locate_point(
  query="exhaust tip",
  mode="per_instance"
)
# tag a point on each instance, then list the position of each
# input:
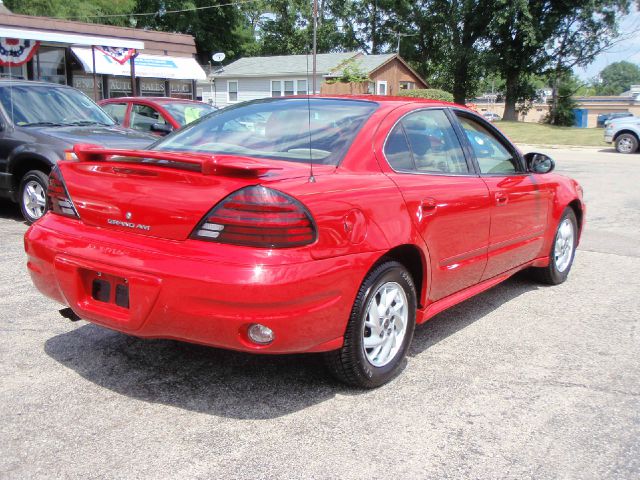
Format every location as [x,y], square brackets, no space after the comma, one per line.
[69,314]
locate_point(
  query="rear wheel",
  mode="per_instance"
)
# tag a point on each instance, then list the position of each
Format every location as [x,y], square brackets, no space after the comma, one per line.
[626,143]
[562,252]
[380,328]
[33,195]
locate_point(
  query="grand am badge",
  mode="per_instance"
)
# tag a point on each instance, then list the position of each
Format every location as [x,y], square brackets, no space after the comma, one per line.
[132,225]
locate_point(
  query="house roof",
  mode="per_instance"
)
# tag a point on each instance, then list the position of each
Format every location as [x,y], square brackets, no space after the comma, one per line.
[367,63]
[284,65]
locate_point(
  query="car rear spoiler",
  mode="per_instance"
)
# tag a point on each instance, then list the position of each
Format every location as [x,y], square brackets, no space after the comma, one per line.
[227,165]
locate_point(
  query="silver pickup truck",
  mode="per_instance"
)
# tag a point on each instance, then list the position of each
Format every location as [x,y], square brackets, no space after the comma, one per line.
[624,133]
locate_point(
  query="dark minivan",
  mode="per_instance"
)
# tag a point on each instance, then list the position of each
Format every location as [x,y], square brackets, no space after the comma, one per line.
[38,122]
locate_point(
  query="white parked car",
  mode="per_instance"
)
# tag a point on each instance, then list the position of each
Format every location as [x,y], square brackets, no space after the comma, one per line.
[624,134]
[492,117]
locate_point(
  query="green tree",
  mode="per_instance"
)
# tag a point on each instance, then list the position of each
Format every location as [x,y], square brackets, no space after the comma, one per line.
[214,29]
[452,43]
[584,33]
[519,32]
[617,78]
[561,112]
[93,11]
[287,28]
[527,36]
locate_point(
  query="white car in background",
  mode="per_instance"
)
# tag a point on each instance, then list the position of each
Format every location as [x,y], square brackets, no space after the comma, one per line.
[492,117]
[624,133]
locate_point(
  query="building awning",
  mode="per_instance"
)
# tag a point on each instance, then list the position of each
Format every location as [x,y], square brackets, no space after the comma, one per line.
[69,38]
[147,66]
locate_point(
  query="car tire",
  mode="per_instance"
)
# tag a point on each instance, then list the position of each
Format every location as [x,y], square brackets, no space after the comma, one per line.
[33,195]
[562,252]
[380,328]
[626,143]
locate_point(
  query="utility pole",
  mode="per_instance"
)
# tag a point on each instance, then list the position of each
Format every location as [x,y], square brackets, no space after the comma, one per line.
[399,36]
[315,28]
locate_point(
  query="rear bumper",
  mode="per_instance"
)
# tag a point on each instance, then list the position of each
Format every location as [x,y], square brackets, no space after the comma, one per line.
[172,295]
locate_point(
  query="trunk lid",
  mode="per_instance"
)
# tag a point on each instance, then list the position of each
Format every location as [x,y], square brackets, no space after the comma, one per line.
[160,194]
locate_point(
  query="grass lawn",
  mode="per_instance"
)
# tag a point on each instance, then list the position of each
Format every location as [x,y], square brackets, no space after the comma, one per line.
[539,134]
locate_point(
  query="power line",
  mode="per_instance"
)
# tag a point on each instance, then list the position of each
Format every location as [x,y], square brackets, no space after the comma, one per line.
[161,13]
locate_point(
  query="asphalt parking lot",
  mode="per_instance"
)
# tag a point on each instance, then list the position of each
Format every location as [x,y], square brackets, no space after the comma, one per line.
[523,381]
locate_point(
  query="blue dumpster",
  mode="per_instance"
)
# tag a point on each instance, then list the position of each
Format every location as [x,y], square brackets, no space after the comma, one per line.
[581,117]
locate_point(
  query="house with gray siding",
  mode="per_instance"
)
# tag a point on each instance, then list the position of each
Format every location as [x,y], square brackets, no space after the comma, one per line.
[252,78]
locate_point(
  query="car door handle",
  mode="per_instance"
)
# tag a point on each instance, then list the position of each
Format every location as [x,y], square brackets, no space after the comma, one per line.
[428,206]
[501,199]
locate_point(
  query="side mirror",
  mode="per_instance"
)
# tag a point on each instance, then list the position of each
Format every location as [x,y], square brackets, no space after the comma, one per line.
[163,128]
[539,162]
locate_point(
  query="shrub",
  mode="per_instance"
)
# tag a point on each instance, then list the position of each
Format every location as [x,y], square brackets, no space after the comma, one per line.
[352,72]
[431,93]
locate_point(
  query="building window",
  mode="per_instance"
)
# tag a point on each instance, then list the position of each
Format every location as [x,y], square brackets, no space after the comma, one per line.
[302,87]
[276,88]
[119,87]
[407,85]
[84,83]
[152,87]
[181,89]
[288,87]
[13,72]
[232,91]
[51,65]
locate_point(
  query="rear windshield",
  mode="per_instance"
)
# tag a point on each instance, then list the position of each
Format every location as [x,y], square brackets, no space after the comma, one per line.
[293,129]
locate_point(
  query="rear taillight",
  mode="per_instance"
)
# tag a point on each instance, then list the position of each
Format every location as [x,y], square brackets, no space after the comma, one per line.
[259,217]
[58,199]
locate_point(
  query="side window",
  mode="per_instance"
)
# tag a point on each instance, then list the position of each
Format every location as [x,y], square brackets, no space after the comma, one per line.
[493,157]
[397,150]
[143,116]
[433,143]
[117,111]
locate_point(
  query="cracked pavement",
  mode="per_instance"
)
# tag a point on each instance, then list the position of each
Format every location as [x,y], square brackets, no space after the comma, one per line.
[523,381]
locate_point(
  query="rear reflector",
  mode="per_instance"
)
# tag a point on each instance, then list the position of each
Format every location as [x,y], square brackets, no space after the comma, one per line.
[259,217]
[58,199]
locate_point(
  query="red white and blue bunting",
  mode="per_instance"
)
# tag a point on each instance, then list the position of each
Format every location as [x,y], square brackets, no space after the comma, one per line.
[119,54]
[17,51]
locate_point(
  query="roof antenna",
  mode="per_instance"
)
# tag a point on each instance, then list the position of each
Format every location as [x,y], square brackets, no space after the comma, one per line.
[312,179]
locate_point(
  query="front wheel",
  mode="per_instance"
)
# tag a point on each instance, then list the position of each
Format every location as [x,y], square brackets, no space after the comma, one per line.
[626,143]
[380,328]
[33,195]
[562,252]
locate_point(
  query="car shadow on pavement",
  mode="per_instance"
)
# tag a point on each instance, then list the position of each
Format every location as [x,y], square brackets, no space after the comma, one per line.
[464,314]
[10,210]
[234,384]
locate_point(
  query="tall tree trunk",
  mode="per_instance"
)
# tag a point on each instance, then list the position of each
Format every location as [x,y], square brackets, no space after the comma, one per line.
[511,97]
[555,86]
[460,82]
[374,28]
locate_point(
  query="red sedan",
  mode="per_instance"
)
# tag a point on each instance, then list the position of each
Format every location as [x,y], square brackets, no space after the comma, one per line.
[156,115]
[303,225]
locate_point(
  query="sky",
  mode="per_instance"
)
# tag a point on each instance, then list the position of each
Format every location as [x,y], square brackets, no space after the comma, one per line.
[627,49]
